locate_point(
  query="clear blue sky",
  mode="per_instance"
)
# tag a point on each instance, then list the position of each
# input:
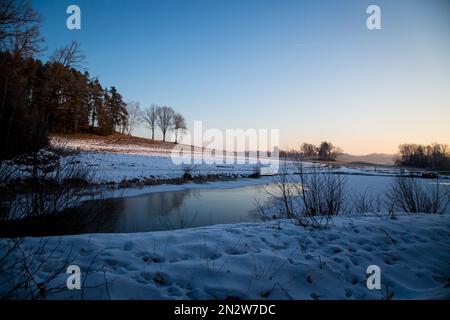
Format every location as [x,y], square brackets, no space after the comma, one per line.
[310,68]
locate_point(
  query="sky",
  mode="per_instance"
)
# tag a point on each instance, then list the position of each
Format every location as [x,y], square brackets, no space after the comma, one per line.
[311,69]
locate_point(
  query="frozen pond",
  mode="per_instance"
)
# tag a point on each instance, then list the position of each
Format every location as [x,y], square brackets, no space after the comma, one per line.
[193,207]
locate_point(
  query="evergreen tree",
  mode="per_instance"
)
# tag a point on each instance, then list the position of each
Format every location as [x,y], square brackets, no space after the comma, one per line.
[95,102]
[118,109]
[105,116]
[37,98]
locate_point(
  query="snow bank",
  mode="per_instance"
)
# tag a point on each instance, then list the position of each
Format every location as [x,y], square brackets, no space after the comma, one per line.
[272,260]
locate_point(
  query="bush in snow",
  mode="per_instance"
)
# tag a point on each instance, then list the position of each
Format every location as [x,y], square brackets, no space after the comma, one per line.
[322,193]
[366,202]
[188,171]
[411,194]
[312,200]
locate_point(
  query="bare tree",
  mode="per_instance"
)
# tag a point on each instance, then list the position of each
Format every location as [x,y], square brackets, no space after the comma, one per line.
[164,119]
[19,28]
[179,125]
[285,192]
[366,201]
[149,116]
[134,115]
[69,56]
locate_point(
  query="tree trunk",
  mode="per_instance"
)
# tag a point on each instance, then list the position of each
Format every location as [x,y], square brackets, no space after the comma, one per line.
[93,119]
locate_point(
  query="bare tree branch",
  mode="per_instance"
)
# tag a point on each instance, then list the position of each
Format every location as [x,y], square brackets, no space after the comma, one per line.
[70,56]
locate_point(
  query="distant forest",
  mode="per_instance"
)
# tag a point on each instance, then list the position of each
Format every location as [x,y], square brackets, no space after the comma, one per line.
[435,156]
[326,151]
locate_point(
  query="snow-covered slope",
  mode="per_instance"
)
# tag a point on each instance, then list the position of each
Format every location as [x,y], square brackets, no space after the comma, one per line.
[272,260]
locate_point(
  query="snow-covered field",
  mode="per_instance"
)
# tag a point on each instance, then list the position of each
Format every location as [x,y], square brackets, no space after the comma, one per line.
[271,260]
[115,162]
[115,167]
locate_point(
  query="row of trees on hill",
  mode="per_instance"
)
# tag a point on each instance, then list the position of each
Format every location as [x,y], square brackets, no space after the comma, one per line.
[163,117]
[325,152]
[435,156]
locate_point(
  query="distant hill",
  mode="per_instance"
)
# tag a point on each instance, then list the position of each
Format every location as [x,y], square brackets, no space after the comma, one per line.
[374,158]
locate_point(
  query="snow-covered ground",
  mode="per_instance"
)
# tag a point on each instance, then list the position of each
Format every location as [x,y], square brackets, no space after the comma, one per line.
[112,162]
[115,162]
[271,260]
[115,167]
[266,260]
